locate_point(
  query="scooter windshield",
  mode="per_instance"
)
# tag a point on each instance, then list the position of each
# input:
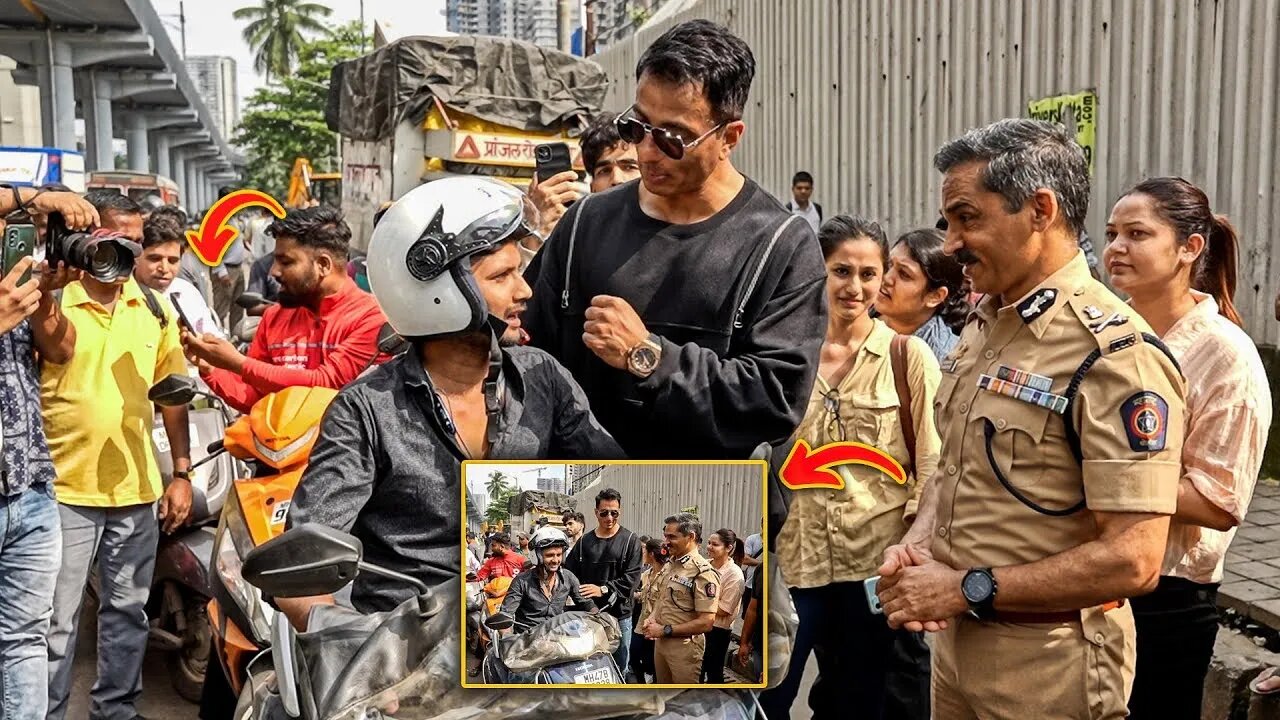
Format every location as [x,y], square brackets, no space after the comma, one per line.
[563,638]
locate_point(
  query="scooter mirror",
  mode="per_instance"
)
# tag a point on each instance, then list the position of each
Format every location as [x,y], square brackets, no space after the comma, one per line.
[499,621]
[173,391]
[310,559]
[250,300]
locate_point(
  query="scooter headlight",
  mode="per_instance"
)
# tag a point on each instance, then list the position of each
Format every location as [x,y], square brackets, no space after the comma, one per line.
[230,546]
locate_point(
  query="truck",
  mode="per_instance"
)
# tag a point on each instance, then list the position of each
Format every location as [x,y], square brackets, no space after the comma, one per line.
[532,508]
[421,108]
[37,166]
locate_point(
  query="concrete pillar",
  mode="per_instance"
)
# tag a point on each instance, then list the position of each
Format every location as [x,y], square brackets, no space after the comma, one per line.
[135,135]
[104,136]
[178,163]
[192,186]
[162,155]
[57,94]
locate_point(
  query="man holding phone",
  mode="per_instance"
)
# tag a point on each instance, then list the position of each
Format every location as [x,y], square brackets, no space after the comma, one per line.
[158,268]
[30,546]
[609,161]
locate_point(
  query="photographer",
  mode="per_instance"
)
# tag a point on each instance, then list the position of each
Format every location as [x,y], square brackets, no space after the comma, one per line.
[99,421]
[30,322]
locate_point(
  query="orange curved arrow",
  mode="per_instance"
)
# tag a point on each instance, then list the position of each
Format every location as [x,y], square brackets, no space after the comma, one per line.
[806,468]
[215,237]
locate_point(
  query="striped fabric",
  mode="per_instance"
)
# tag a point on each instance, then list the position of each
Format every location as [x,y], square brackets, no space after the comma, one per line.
[1228,416]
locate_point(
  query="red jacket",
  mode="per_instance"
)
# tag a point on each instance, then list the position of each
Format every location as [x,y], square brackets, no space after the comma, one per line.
[508,565]
[295,346]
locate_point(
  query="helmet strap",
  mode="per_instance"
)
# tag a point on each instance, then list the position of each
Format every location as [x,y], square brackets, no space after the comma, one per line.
[494,390]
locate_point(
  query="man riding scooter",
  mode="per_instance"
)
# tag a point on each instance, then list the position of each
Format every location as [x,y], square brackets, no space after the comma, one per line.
[444,267]
[545,590]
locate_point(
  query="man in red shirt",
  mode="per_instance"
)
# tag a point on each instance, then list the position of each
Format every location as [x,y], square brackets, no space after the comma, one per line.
[323,332]
[504,562]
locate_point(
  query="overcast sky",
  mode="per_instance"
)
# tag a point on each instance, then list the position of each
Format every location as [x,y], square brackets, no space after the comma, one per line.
[526,475]
[212,31]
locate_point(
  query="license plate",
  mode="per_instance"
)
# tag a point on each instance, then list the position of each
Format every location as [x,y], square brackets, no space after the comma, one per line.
[599,676]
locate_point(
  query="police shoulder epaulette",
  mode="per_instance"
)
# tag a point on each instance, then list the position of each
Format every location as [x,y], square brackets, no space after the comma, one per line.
[1109,326]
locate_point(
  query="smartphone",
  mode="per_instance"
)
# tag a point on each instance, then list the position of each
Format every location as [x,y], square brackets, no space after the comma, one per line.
[19,242]
[552,159]
[870,585]
[182,317]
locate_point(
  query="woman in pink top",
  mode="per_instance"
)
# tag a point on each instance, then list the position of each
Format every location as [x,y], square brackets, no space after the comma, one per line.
[720,551]
[1177,261]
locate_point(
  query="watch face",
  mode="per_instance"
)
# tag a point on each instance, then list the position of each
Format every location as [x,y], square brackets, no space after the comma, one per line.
[977,587]
[644,359]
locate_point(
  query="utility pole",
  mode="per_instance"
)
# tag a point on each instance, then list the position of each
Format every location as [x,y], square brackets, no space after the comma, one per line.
[182,24]
[361,27]
[589,29]
[563,35]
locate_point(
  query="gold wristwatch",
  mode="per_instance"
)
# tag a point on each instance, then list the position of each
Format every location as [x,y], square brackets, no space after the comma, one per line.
[643,359]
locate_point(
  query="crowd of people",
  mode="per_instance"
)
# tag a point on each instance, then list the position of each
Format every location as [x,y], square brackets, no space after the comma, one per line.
[675,595]
[1077,464]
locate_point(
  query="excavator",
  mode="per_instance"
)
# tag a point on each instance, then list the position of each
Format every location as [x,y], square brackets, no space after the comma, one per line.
[308,188]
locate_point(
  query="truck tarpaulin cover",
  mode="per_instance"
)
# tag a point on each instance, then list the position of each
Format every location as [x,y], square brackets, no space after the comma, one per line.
[501,80]
[543,500]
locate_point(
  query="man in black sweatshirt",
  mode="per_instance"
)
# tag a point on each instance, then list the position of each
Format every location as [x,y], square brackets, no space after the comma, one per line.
[608,562]
[689,305]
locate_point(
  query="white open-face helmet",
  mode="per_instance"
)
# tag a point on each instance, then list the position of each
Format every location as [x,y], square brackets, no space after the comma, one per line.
[548,537]
[419,259]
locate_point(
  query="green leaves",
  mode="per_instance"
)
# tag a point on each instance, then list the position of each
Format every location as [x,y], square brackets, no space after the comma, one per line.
[275,32]
[285,119]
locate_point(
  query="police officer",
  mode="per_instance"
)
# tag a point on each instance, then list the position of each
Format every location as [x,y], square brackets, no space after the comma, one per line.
[685,607]
[1061,418]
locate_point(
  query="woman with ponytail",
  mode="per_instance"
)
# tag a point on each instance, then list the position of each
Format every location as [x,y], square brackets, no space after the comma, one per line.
[1177,261]
[923,292]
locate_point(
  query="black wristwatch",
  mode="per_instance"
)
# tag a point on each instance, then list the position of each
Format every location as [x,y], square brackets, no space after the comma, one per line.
[666,631]
[979,587]
[182,474]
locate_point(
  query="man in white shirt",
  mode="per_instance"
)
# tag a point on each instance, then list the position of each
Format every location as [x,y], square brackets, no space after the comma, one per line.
[158,267]
[801,203]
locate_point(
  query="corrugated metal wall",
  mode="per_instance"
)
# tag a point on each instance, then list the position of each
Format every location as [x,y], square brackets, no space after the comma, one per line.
[862,92]
[728,495]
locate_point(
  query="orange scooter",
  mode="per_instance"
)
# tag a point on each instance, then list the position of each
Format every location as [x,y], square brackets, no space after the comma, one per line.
[275,441]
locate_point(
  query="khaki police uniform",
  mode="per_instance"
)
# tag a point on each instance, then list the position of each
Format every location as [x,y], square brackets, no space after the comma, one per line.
[1019,481]
[686,588]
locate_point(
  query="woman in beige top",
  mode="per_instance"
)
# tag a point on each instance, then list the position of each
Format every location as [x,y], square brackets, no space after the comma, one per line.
[1177,262]
[833,540]
[655,558]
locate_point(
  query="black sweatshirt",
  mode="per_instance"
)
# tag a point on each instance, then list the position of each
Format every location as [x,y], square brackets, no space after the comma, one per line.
[615,562]
[738,302]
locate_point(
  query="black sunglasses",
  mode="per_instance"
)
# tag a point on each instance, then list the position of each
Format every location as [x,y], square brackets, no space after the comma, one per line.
[608,513]
[671,144]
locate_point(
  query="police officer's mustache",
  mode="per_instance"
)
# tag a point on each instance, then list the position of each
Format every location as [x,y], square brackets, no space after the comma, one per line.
[965,257]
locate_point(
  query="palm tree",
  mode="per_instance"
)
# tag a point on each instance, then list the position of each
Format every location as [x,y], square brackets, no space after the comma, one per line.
[496,485]
[275,32]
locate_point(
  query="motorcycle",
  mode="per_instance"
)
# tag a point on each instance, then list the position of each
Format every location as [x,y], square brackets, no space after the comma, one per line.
[274,442]
[573,648]
[180,590]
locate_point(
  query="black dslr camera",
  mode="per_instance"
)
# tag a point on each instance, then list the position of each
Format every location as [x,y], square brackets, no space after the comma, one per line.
[105,256]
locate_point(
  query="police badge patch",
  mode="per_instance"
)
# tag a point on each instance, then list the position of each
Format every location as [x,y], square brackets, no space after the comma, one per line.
[711,590]
[1146,417]
[1037,305]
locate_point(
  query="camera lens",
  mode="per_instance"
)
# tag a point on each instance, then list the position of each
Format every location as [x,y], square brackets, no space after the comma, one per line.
[544,153]
[106,259]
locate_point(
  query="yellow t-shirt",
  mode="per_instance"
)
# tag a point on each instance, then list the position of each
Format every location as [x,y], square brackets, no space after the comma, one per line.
[96,412]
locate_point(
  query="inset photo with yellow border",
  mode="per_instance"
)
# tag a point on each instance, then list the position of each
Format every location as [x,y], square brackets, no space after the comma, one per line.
[614,574]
